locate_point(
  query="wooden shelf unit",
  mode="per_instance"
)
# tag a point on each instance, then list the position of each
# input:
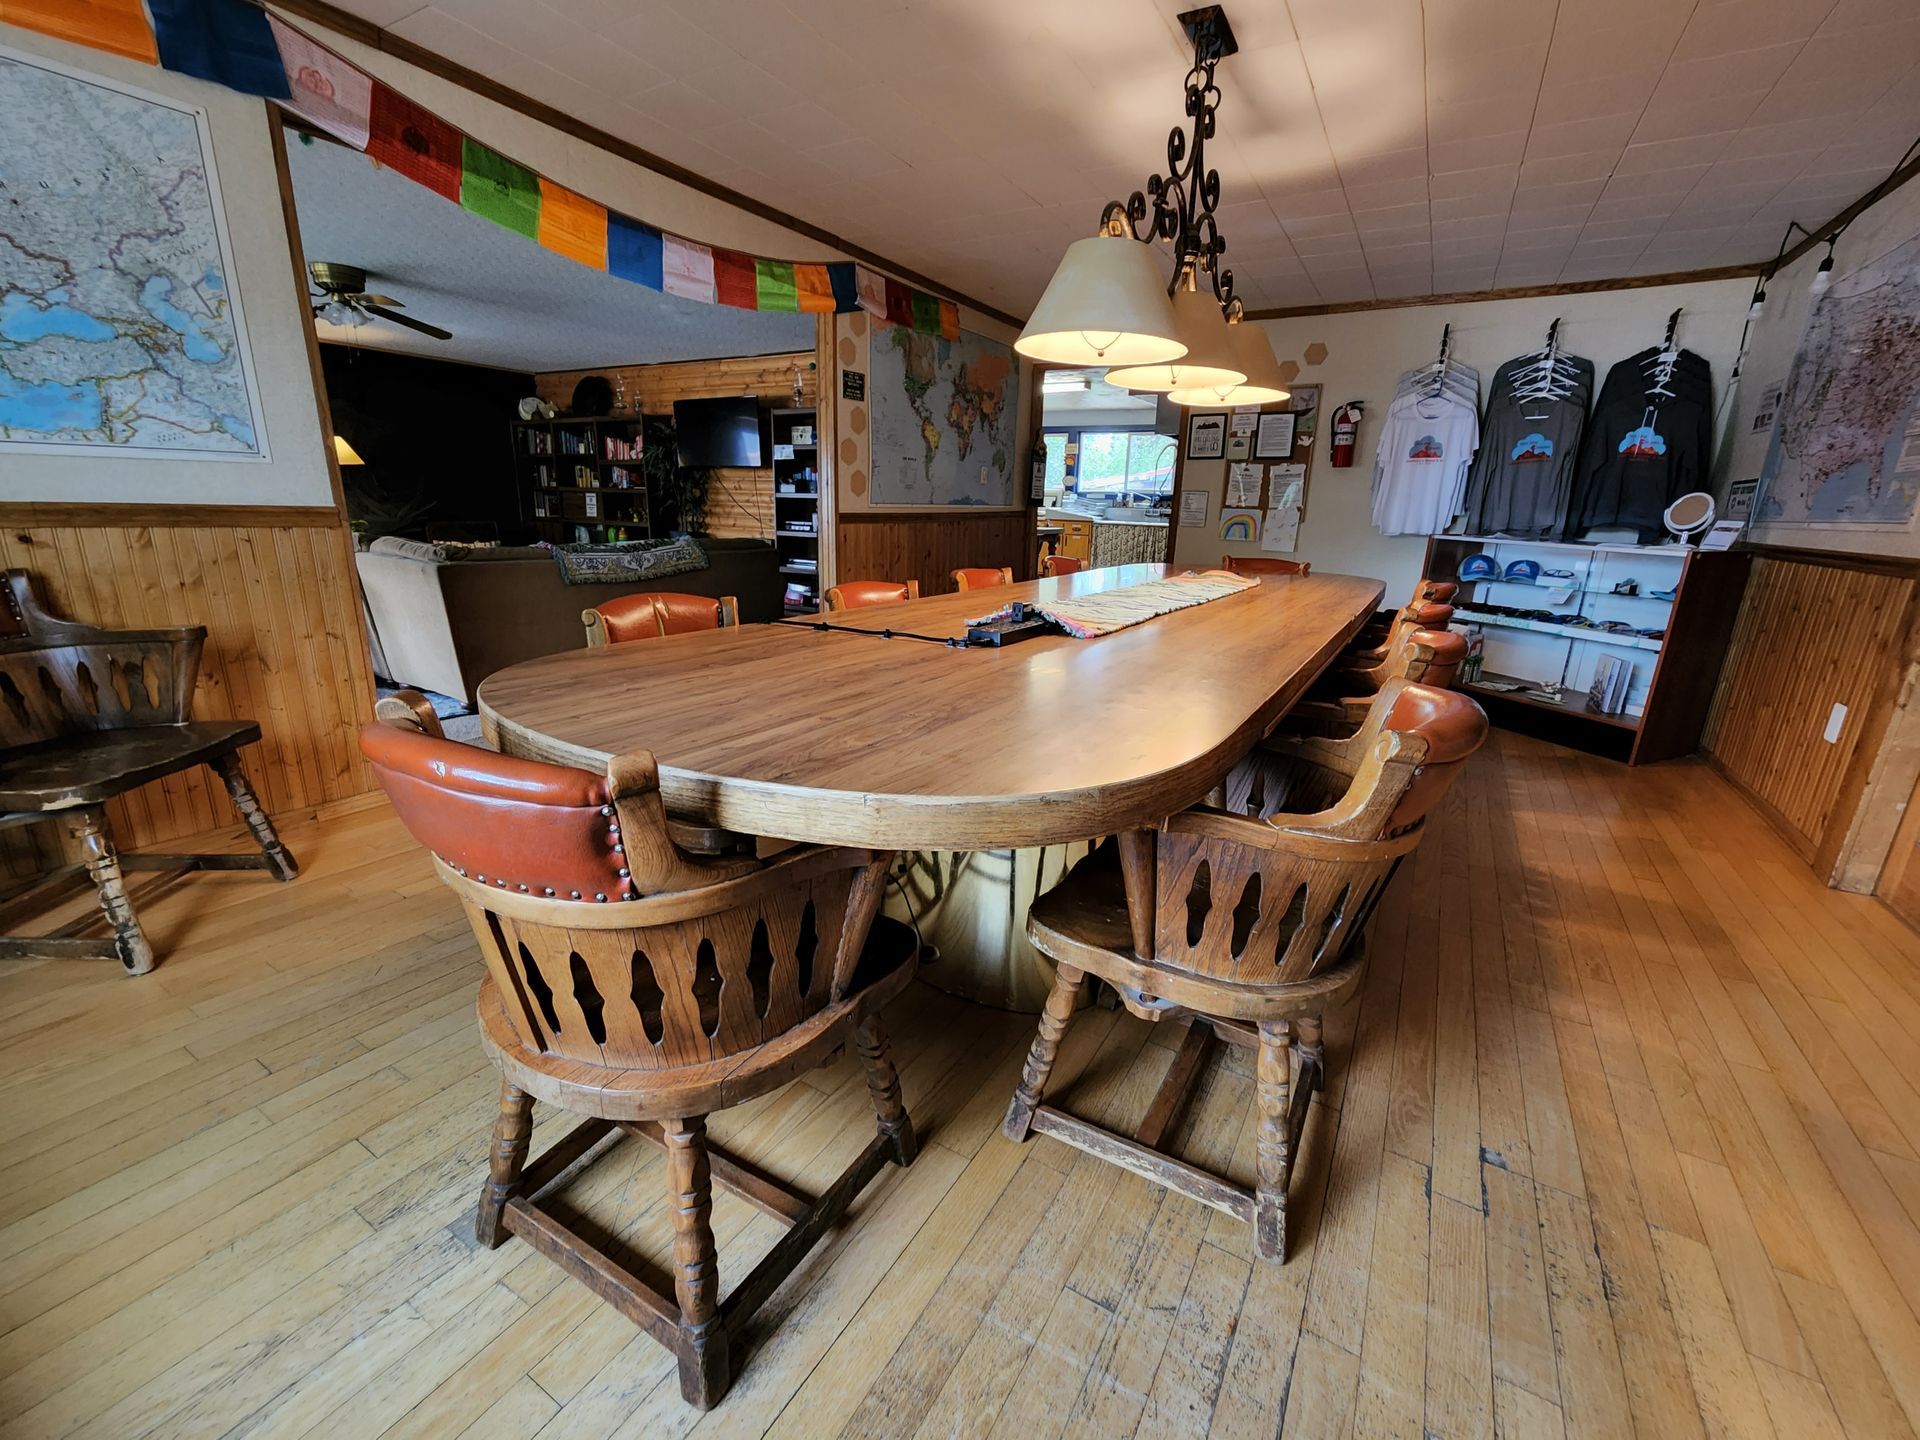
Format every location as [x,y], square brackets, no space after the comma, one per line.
[1675,674]
[581,478]
[796,505]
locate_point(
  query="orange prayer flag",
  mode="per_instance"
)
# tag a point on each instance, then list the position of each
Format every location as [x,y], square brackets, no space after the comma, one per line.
[572,225]
[813,287]
[120,27]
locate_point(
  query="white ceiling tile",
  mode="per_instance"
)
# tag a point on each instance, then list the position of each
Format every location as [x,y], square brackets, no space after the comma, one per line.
[1482,226]
[1567,169]
[1488,180]
[1735,72]
[1374,168]
[1574,136]
[1472,207]
[1680,116]
[1501,113]
[1823,100]
[1343,243]
[1446,156]
[1644,158]
[1868,59]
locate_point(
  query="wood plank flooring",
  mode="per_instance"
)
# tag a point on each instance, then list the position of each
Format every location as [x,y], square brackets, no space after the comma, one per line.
[1622,1138]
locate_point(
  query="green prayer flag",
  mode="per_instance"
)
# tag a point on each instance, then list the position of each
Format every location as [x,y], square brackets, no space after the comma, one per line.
[493,186]
[926,313]
[773,285]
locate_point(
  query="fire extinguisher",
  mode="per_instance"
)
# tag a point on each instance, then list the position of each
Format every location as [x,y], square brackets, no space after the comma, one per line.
[1346,427]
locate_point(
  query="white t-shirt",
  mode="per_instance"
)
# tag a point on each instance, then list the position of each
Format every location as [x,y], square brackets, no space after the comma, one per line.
[1420,467]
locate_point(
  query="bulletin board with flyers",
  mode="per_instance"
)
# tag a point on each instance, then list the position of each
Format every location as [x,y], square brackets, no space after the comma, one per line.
[1267,458]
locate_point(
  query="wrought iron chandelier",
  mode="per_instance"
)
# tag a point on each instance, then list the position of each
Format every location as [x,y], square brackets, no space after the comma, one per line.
[1100,308]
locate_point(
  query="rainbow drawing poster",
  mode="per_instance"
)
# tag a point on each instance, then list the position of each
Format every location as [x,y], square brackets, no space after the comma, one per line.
[1243,525]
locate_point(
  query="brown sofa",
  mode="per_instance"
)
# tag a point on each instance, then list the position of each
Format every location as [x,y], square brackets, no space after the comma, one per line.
[444,618]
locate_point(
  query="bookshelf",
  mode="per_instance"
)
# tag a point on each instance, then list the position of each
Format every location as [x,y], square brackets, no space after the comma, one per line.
[580,479]
[795,456]
[1549,634]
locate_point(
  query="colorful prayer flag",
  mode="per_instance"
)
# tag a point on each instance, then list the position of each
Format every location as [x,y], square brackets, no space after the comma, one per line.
[120,27]
[226,41]
[687,270]
[633,251]
[734,282]
[572,225]
[499,189]
[332,93]
[813,289]
[926,313]
[871,287]
[845,279]
[773,285]
[899,304]
[949,320]
[414,141]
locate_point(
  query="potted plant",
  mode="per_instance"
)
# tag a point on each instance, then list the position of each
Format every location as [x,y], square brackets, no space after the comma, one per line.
[682,488]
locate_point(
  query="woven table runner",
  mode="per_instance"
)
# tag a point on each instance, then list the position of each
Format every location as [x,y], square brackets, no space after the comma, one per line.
[1108,610]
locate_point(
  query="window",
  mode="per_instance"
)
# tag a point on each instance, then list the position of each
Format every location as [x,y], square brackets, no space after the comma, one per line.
[1112,462]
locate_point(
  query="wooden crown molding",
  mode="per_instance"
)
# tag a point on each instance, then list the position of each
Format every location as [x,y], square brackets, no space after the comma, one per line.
[1519,292]
[320,12]
[56,515]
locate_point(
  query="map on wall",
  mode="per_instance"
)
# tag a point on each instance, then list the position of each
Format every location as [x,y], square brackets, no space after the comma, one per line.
[1846,444]
[944,413]
[119,326]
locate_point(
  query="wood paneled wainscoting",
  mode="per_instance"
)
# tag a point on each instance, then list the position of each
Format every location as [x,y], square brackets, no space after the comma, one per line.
[929,548]
[1818,630]
[286,645]
[739,502]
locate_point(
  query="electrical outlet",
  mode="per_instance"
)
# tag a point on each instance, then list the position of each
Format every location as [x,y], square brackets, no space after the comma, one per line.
[1836,720]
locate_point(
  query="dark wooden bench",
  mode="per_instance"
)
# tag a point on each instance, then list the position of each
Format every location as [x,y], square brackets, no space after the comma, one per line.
[87,714]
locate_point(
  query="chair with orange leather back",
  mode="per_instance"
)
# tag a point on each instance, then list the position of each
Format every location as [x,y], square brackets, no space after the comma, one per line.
[981,577]
[857,594]
[1340,699]
[1062,565]
[1263,565]
[643,987]
[654,613]
[1257,928]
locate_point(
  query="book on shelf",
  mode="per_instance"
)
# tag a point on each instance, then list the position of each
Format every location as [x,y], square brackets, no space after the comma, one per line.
[1612,679]
[619,447]
[799,594]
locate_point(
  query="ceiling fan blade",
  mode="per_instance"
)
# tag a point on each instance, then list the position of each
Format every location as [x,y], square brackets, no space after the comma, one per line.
[381,300]
[406,320]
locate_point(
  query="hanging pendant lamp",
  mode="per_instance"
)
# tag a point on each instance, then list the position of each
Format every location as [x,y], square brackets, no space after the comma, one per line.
[1263,383]
[1208,362]
[1105,305]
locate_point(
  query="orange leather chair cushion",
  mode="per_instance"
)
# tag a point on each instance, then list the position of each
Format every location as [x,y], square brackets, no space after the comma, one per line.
[1430,615]
[1449,649]
[1439,591]
[521,825]
[1453,727]
[680,613]
[1063,565]
[630,617]
[857,593]
[978,577]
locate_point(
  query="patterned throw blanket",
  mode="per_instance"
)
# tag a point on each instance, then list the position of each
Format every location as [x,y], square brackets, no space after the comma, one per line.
[628,560]
[1105,611]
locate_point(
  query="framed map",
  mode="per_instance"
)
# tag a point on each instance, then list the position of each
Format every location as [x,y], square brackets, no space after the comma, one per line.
[944,419]
[1845,448]
[120,326]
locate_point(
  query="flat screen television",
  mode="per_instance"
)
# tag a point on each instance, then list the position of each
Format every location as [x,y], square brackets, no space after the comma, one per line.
[718,433]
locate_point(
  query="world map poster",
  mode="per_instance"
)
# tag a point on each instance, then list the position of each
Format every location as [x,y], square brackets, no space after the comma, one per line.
[1846,442]
[119,327]
[944,413]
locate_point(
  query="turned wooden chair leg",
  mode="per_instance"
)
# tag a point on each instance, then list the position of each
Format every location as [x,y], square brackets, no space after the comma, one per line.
[512,1132]
[883,1084]
[88,829]
[1046,1049]
[228,768]
[1273,1165]
[696,1263]
[1313,1055]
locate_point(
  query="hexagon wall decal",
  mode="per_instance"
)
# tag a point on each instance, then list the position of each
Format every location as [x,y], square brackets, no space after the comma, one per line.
[1289,370]
[1316,354]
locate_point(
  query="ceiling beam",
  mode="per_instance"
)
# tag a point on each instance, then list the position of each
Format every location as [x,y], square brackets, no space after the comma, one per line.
[1847,216]
[320,12]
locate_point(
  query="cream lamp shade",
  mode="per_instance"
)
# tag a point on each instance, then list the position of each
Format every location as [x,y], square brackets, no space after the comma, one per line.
[344,453]
[1106,305]
[1253,353]
[1209,361]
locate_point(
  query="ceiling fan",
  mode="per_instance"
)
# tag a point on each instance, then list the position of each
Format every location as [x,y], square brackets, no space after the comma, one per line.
[341,298]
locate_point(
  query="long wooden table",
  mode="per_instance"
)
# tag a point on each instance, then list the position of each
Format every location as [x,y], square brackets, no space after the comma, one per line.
[853,738]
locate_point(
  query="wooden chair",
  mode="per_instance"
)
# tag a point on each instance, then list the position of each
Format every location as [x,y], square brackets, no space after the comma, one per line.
[88,714]
[649,615]
[857,594]
[644,988]
[1256,928]
[1264,565]
[982,577]
[1375,644]
[1062,565]
[1341,699]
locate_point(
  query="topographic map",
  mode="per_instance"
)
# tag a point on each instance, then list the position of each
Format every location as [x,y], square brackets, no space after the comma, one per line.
[118,323]
[1846,445]
[943,419]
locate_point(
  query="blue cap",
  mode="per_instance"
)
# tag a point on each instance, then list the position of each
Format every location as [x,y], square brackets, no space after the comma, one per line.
[1479,567]
[1523,572]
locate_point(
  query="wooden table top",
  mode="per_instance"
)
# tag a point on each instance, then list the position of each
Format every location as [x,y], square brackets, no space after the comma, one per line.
[897,743]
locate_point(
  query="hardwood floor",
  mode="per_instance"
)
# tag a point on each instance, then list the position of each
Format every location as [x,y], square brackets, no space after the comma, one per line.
[1622,1138]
